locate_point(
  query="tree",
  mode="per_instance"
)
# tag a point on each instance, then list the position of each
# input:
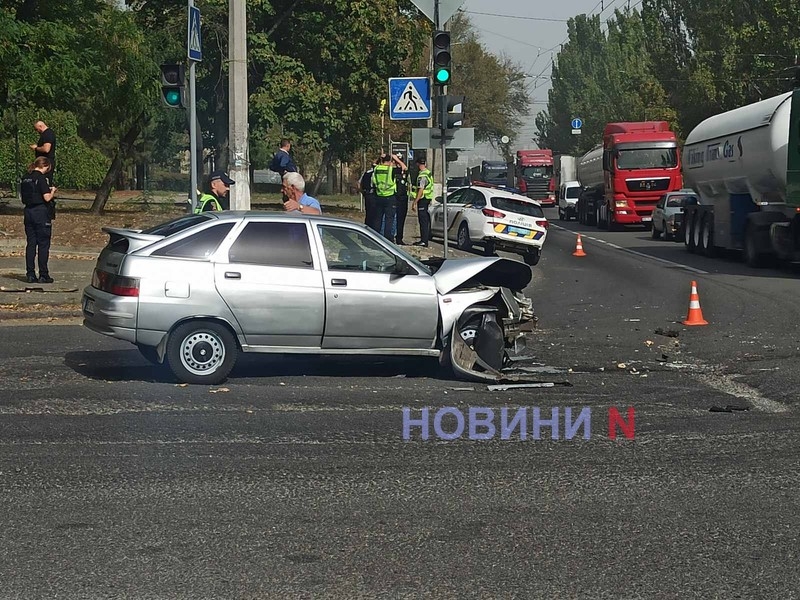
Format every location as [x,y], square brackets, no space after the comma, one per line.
[496,93]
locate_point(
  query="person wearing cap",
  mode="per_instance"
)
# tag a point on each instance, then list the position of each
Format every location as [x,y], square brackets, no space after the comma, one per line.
[423,194]
[294,188]
[219,185]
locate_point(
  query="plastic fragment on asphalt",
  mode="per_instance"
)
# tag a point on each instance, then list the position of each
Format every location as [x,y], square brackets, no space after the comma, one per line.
[516,386]
[463,389]
[217,390]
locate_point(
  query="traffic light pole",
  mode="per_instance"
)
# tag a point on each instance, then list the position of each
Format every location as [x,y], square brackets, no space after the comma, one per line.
[192,127]
[442,144]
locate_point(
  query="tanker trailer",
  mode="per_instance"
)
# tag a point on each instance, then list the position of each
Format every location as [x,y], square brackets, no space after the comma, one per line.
[590,176]
[738,163]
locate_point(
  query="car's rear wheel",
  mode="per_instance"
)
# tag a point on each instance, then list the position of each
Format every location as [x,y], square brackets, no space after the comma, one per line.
[201,352]
[149,353]
[464,243]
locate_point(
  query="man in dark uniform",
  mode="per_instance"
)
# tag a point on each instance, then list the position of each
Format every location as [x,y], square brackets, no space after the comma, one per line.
[367,189]
[46,146]
[219,184]
[401,176]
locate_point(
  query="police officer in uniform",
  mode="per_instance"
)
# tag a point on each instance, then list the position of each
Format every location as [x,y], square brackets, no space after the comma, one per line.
[401,177]
[37,195]
[368,191]
[423,194]
[385,190]
[220,184]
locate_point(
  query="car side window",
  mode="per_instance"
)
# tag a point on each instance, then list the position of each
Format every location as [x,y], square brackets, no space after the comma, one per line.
[199,245]
[661,202]
[352,250]
[456,197]
[475,198]
[273,244]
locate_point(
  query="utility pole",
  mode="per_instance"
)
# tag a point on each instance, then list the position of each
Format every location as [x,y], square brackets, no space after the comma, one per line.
[239,164]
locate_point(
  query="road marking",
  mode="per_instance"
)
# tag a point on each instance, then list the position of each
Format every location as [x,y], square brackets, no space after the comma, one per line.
[634,252]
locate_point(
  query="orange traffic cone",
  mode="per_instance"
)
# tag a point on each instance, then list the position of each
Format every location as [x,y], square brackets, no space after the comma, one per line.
[579,248]
[695,316]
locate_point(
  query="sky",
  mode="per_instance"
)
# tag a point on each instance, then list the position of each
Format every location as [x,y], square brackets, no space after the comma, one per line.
[530,32]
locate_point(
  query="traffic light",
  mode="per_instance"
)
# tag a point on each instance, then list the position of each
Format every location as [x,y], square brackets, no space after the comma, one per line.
[442,58]
[173,81]
[451,111]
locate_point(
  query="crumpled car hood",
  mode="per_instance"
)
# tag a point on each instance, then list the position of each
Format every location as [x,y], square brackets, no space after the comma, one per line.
[491,271]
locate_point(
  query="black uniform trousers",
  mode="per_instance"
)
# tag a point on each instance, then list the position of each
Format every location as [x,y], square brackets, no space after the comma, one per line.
[38,231]
[402,212]
[424,218]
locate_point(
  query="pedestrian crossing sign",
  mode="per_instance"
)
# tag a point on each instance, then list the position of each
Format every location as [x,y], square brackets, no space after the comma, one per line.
[409,98]
[195,41]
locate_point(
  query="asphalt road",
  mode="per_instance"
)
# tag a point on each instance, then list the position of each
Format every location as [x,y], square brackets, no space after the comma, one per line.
[293,479]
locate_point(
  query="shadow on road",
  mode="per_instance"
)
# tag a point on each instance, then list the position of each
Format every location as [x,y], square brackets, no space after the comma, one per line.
[128,365]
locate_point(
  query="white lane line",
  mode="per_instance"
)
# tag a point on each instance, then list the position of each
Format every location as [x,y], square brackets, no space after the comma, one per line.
[634,252]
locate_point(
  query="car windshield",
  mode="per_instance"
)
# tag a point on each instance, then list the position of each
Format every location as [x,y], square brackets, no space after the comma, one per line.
[647,158]
[532,172]
[679,201]
[573,192]
[517,206]
[176,225]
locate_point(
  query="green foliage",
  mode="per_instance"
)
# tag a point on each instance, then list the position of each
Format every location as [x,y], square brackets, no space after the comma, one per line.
[78,166]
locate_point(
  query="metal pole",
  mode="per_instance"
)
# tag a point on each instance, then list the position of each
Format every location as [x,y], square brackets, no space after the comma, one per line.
[192,127]
[443,145]
[237,102]
[16,182]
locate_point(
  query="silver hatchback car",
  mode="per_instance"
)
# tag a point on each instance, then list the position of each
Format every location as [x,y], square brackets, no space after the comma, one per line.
[196,291]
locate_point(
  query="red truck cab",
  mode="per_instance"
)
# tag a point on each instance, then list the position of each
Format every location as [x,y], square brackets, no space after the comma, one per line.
[534,171]
[641,163]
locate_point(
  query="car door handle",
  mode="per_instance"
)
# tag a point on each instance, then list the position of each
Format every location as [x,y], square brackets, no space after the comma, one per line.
[232,275]
[341,282]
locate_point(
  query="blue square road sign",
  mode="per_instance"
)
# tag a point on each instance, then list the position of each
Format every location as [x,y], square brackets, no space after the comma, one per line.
[409,98]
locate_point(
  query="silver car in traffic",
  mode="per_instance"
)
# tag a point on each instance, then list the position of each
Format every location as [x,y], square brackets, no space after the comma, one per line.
[196,291]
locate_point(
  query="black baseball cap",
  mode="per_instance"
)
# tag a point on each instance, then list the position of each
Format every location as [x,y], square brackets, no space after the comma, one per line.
[222,176]
[421,160]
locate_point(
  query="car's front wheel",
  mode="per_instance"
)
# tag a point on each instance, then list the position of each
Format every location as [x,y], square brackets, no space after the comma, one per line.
[201,352]
[464,243]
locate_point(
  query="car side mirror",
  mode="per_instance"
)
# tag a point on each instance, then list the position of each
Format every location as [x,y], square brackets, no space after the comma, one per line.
[401,267]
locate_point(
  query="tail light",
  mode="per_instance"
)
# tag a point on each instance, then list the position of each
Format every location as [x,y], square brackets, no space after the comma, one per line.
[545,223]
[115,284]
[494,214]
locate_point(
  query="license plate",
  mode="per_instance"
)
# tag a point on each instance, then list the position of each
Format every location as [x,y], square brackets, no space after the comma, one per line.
[518,230]
[88,305]
[646,219]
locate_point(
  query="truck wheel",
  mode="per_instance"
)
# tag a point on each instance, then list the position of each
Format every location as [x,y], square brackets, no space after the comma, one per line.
[464,243]
[707,237]
[560,215]
[598,218]
[201,352]
[688,233]
[750,251]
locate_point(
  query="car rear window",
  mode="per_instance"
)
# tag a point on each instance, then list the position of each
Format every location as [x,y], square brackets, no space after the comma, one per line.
[177,225]
[199,245]
[517,206]
[679,201]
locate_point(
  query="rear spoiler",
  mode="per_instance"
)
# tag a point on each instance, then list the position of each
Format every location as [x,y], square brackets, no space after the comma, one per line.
[136,239]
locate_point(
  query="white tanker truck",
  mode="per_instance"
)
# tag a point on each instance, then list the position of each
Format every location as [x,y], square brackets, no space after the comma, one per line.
[739,163]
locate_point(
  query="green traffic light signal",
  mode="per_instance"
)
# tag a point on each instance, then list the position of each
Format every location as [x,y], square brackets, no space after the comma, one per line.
[172,97]
[442,76]
[442,59]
